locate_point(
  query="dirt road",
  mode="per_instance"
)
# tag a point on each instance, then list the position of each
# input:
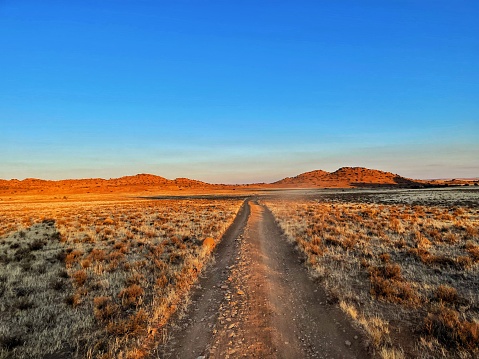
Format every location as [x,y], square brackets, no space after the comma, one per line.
[257,301]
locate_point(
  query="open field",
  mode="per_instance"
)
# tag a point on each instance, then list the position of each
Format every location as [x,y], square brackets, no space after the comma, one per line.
[408,274]
[102,276]
[96,279]
[239,179]
[456,196]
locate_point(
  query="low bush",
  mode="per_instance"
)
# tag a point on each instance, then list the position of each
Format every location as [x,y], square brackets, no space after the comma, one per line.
[451,330]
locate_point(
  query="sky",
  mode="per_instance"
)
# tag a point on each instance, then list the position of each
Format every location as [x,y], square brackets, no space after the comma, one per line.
[238,91]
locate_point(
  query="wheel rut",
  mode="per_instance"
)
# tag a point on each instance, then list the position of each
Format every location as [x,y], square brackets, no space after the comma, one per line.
[257,301]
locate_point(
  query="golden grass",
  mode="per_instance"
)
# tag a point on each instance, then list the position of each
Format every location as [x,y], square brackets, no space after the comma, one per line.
[395,269]
[98,279]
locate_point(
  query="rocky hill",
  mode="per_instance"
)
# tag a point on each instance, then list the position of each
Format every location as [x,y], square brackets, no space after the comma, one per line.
[312,179]
[346,177]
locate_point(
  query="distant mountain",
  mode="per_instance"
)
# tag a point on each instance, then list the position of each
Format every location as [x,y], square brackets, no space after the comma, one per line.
[346,177]
[139,179]
[137,183]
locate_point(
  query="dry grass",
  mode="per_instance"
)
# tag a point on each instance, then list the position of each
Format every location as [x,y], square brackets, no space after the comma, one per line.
[98,279]
[400,271]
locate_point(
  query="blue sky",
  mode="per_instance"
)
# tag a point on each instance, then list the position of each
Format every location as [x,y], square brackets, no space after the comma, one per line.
[238,91]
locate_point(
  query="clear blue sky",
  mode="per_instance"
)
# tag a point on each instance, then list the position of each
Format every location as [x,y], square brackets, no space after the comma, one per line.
[238,91]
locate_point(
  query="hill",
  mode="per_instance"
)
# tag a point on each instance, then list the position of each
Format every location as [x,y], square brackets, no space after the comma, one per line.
[346,177]
[311,179]
[126,184]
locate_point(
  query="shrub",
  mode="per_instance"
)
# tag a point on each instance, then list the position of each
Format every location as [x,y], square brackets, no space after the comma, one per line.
[134,325]
[85,263]
[473,250]
[23,254]
[387,284]
[48,221]
[104,308]
[131,295]
[97,255]
[57,237]
[71,257]
[431,259]
[37,244]
[385,257]
[176,258]
[57,284]
[79,277]
[421,241]
[11,340]
[389,271]
[446,325]
[23,303]
[464,262]
[447,294]
[162,281]
[135,278]
[61,255]
[62,273]
[73,300]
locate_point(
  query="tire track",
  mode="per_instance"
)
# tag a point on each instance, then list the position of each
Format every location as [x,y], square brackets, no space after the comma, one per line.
[258,301]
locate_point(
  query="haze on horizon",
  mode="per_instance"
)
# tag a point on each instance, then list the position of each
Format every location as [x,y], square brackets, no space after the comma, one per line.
[238,92]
